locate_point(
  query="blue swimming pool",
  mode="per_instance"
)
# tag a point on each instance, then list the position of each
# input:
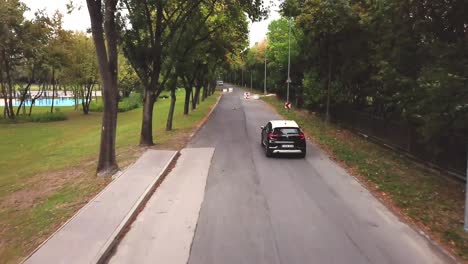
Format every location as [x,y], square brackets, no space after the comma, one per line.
[64,101]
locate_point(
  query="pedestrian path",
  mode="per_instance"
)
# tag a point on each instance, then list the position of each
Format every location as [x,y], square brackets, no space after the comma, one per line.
[164,230]
[92,232]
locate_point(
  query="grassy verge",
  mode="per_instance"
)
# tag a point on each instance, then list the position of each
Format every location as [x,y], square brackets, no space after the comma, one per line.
[421,197]
[47,170]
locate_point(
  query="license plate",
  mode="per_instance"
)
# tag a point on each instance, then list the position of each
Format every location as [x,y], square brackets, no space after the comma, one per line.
[288,146]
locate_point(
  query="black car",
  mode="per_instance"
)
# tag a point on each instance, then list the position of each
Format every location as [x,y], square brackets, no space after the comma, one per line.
[283,136]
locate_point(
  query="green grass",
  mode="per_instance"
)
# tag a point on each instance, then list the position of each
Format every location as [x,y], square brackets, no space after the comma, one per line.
[428,199]
[48,169]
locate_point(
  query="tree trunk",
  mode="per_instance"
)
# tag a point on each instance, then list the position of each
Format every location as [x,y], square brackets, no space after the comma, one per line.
[37,96]
[24,109]
[53,90]
[22,99]
[31,106]
[152,90]
[197,97]
[5,97]
[87,95]
[9,105]
[146,135]
[170,116]
[197,94]
[205,92]
[191,93]
[212,89]
[107,61]
[187,100]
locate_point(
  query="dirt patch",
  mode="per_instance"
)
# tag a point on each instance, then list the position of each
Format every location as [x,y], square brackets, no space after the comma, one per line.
[40,187]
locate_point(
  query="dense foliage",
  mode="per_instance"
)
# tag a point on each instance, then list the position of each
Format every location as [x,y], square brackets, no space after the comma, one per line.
[39,59]
[398,60]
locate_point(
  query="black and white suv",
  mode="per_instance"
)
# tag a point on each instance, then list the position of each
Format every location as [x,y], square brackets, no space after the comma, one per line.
[283,136]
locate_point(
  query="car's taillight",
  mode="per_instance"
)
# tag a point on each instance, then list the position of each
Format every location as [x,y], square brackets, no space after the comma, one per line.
[301,136]
[272,136]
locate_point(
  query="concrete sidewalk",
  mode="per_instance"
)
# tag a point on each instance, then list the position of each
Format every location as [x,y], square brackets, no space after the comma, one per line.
[164,230]
[94,229]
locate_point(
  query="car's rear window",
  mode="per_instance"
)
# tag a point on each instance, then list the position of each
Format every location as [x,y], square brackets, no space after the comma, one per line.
[287,130]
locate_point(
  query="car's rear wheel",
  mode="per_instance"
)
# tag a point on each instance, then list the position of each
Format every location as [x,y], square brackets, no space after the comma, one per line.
[303,154]
[268,152]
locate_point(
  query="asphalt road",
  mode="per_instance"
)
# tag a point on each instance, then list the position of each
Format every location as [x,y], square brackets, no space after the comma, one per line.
[288,210]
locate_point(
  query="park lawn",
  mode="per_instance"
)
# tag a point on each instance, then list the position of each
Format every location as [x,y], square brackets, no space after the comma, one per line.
[47,170]
[420,197]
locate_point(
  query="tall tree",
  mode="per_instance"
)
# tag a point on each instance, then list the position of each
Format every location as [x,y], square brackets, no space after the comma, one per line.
[103,16]
[82,70]
[152,25]
[11,48]
[57,52]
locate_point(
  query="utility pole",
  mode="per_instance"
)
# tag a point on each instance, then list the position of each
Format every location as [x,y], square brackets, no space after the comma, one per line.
[466,193]
[289,60]
[265,81]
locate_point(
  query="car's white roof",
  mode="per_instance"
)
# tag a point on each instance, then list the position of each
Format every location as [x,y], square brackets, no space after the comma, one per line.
[283,123]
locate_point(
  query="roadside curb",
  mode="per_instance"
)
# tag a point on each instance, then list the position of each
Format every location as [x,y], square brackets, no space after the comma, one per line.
[203,121]
[135,211]
[127,220]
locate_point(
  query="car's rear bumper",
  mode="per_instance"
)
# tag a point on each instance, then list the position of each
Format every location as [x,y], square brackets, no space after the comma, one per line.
[288,151]
[280,149]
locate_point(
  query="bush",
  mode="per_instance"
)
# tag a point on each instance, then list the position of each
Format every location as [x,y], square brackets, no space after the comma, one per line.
[48,117]
[96,106]
[37,118]
[128,103]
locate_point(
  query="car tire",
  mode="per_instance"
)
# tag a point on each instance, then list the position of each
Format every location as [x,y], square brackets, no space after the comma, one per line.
[268,152]
[303,154]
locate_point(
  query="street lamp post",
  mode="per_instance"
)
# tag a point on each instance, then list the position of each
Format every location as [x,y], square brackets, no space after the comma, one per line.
[466,193]
[265,81]
[289,61]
